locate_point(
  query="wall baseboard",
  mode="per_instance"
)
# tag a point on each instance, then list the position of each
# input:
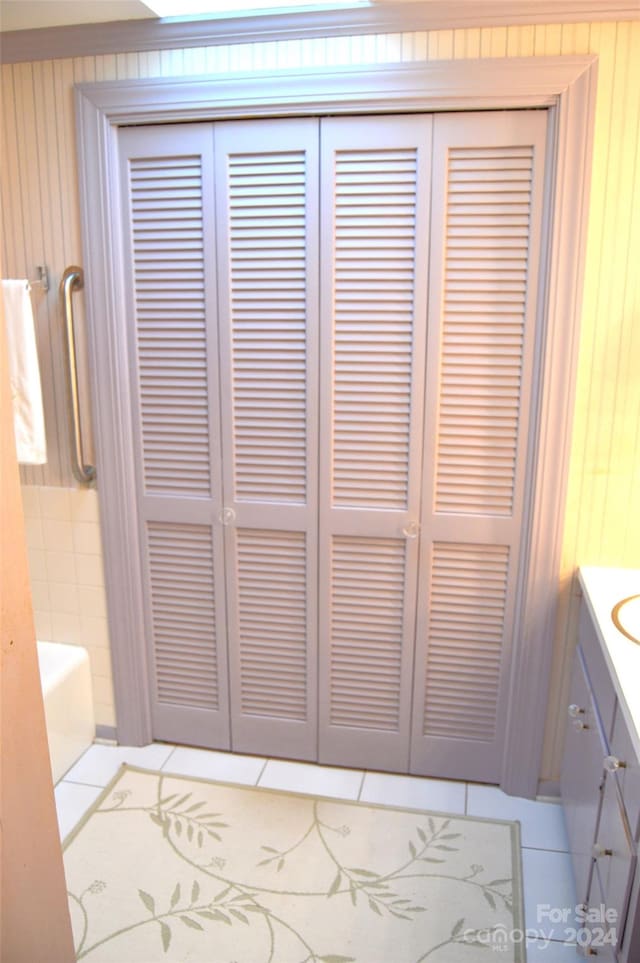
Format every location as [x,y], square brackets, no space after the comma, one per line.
[107,733]
[548,788]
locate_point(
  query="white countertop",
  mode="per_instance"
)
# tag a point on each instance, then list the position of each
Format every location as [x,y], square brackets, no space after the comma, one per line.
[603,589]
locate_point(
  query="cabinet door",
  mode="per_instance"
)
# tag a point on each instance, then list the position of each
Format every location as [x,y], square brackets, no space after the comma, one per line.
[267,223]
[604,695]
[582,776]
[598,936]
[170,326]
[617,857]
[628,773]
[375,184]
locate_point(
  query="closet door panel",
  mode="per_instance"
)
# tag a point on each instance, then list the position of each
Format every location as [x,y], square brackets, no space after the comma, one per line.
[374,231]
[267,212]
[488,182]
[168,227]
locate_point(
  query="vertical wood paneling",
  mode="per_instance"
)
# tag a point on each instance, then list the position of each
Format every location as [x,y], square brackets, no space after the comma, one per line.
[605,468]
[600,524]
[55,394]
[10,235]
[28,133]
[106,67]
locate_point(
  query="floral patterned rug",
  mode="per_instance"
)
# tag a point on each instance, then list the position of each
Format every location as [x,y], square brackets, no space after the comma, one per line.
[172,868]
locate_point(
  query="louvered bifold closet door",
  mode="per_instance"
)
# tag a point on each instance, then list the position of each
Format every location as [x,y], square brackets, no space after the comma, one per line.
[488,183]
[170,326]
[375,175]
[267,211]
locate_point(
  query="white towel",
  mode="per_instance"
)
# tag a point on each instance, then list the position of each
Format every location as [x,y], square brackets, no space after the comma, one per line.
[24,374]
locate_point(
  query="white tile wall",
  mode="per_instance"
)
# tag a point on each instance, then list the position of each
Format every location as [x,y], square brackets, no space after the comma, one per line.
[67,581]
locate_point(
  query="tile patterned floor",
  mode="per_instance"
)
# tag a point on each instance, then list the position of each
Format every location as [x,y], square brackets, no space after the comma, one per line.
[545,859]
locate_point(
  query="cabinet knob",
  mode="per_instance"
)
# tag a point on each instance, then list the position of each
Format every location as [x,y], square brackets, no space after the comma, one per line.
[578,724]
[597,851]
[575,711]
[226,516]
[412,530]
[611,763]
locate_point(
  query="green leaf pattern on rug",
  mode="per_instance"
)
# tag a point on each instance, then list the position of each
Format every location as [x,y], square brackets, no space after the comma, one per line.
[184,822]
[177,818]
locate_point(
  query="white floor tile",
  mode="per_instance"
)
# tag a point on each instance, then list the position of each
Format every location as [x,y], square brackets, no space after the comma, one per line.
[542,823]
[207,764]
[548,889]
[307,778]
[413,792]
[72,802]
[544,951]
[100,763]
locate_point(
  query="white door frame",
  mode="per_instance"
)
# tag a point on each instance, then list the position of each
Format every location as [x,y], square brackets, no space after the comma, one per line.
[564,85]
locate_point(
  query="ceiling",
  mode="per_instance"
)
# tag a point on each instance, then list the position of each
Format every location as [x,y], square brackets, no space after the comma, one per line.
[27,14]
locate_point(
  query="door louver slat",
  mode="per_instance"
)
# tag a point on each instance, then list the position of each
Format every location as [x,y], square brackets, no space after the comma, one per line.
[183,607]
[366,632]
[272,603]
[462,688]
[483,329]
[166,201]
[267,235]
[375,224]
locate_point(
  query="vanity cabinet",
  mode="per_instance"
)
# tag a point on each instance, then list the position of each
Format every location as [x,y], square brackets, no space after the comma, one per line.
[614,855]
[582,776]
[600,786]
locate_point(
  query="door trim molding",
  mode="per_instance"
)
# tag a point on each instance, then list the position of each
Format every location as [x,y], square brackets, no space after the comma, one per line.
[567,85]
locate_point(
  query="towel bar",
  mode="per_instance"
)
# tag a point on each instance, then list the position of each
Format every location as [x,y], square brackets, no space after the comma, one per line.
[73,277]
[43,278]
[42,281]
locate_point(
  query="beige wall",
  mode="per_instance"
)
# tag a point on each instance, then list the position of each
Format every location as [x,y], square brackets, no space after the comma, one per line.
[40,204]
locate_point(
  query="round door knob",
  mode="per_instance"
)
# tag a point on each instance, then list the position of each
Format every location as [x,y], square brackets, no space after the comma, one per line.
[412,530]
[597,851]
[611,763]
[226,516]
[575,711]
